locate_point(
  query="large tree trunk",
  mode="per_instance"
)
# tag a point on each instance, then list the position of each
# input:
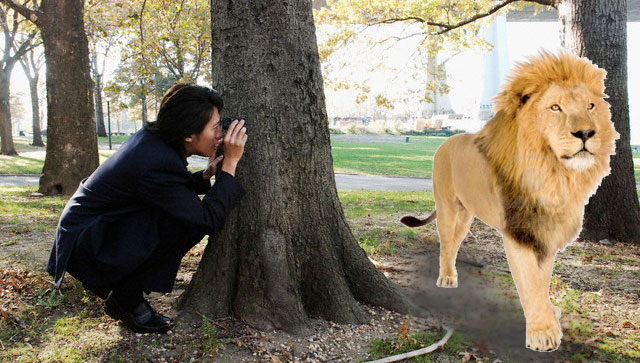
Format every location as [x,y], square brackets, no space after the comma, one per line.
[286,252]
[72,146]
[597,29]
[97,97]
[35,111]
[6,132]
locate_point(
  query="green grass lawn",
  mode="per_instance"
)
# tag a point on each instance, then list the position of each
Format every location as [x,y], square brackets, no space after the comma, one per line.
[397,158]
[636,165]
[115,139]
[360,203]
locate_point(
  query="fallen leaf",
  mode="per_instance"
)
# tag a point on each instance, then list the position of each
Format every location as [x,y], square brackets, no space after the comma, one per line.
[468,356]
[482,346]
[592,340]
[628,324]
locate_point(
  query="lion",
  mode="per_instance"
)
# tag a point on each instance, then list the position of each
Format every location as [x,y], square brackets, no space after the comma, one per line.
[528,173]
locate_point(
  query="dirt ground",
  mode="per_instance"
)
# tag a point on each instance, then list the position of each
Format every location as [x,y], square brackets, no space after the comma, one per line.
[597,286]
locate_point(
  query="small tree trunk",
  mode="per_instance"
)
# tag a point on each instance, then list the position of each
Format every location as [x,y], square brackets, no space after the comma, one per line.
[597,29]
[144,105]
[72,147]
[97,96]
[6,132]
[99,112]
[35,111]
[286,252]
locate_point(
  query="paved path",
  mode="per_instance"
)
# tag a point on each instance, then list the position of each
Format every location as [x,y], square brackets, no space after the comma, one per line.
[343,182]
[21,180]
[376,182]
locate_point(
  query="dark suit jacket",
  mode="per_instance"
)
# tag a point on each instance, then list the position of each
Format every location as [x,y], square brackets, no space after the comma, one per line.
[112,220]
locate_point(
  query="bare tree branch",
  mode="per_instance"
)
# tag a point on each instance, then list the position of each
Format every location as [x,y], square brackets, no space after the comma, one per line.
[446,27]
[144,61]
[30,65]
[200,52]
[30,14]
[8,60]
[396,38]
[26,46]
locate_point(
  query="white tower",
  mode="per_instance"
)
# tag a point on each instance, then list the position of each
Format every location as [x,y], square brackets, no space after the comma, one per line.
[496,65]
[440,104]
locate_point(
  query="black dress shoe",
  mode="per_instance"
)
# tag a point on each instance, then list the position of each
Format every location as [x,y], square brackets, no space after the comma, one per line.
[141,319]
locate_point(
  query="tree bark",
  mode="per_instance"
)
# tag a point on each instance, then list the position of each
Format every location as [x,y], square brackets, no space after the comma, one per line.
[6,132]
[72,147]
[97,96]
[597,29]
[286,252]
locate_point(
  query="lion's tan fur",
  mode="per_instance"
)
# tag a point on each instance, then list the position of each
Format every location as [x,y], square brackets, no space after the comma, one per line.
[526,175]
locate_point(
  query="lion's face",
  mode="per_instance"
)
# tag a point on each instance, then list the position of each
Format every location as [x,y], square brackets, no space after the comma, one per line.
[575,123]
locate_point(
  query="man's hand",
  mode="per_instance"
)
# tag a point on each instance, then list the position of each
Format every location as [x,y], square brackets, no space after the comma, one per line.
[234,141]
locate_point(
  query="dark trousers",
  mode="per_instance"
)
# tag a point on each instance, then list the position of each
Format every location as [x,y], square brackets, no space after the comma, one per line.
[156,273]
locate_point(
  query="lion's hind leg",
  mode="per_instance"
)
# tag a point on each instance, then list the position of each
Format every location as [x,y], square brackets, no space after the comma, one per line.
[453,225]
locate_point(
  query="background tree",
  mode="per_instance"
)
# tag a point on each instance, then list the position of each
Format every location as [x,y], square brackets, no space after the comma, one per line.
[169,41]
[592,28]
[31,65]
[286,253]
[597,29]
[103,21]
[72,146]
[17,41]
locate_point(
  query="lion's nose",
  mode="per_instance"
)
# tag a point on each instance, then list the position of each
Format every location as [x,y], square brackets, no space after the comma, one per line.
[584,135]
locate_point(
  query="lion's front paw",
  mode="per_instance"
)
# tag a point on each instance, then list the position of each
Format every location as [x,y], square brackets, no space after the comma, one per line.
[544,340]
[450,281]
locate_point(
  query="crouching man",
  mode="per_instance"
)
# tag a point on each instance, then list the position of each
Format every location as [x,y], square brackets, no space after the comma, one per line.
[127,227]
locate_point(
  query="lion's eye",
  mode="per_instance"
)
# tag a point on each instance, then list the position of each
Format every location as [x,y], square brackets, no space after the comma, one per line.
[555,107]
[591,106]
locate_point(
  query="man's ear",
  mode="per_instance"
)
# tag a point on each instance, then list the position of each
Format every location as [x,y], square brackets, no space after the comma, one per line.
[188,139]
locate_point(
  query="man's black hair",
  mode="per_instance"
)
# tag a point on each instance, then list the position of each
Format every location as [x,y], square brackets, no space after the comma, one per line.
[185,110]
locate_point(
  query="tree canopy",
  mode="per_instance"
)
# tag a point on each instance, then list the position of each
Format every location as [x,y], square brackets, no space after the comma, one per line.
[164,42]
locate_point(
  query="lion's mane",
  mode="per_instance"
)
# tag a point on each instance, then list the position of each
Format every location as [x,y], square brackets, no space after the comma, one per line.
[514,151]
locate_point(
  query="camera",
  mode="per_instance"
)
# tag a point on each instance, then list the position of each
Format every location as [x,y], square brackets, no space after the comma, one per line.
[226,122]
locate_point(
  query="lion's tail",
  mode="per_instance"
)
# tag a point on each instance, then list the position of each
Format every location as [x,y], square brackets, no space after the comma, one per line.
[411,221]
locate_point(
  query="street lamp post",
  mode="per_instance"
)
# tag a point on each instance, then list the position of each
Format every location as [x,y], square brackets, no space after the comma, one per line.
[109,122]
